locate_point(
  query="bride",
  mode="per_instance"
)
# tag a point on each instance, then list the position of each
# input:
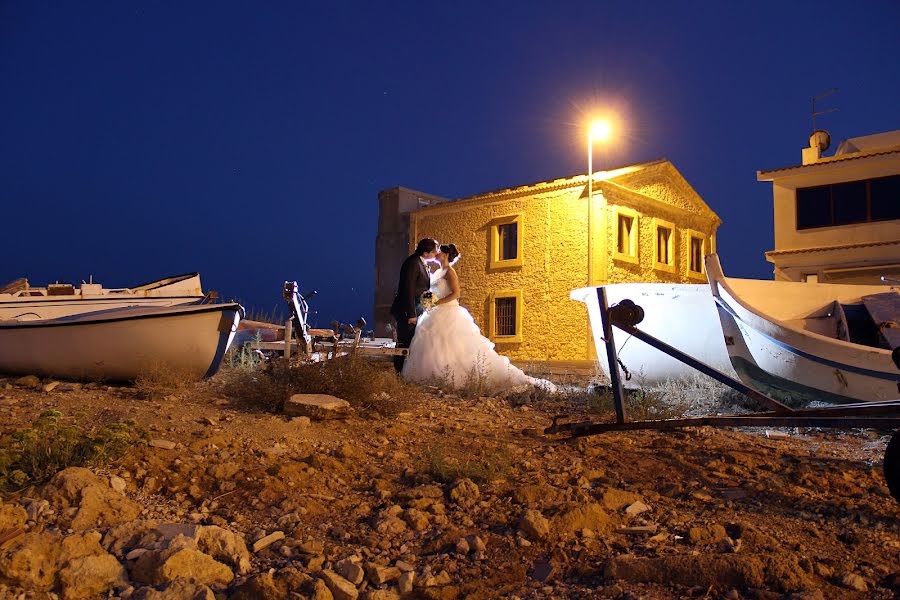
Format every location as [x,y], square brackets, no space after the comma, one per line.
[448,345]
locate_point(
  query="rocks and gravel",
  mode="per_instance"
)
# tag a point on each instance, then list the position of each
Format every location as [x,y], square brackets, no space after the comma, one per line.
[449,499]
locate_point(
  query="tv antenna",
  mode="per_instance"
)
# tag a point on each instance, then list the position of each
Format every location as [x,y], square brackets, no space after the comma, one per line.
[818,98]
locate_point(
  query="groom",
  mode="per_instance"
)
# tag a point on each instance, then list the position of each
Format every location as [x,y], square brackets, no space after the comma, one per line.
[414,281]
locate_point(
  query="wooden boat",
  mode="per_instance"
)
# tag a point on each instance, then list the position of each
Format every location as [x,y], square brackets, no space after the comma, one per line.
[682,315]
[18,300]
[809,341]
[121,344]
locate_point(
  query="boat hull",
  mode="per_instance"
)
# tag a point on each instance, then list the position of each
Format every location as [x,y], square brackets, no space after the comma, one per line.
[796,365]
[33,304]
[682,315]
[121,344]
[50,307]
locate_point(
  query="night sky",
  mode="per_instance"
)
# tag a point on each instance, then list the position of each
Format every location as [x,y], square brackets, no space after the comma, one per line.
[248,141]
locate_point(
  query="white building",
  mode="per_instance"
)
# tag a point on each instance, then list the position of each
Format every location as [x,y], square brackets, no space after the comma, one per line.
[837,218]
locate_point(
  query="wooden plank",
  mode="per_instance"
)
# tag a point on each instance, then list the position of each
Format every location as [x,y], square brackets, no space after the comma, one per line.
[885,311]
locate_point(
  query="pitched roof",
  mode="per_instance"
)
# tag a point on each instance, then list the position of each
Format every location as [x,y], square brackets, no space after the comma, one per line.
[563,182]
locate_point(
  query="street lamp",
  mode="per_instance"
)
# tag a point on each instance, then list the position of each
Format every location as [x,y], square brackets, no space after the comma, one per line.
[599,132]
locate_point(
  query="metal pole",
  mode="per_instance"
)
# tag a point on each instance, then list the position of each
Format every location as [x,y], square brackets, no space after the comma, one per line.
[614,375]
[590,201]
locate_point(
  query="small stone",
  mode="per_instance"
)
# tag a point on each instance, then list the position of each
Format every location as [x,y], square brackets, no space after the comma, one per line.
[476,543]
[321,591]
[854,582]
[49,387]
[636,508]
[301,421]
[117,483]
[340,587]
[404,566]
[534,524]
[313,547]
[416,519]
[164,444]
[267,540]
[441,579]
[350,570]
[462,546]
[317,406]
[379,575]
[28,381]
[405,583]
[465,493]
[135,554]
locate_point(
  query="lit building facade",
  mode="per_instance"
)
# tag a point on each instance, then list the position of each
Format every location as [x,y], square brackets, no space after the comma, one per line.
[837,218]
[525,248]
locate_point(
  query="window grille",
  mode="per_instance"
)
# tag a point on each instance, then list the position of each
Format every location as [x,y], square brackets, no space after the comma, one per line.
[505,316]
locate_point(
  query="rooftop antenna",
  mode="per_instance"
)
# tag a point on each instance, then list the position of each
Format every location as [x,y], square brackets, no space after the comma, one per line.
[816,113]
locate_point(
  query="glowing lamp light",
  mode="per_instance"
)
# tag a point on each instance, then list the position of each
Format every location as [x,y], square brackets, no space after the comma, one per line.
[600,131]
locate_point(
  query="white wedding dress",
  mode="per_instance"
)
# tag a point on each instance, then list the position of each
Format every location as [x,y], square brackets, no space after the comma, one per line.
[448,348]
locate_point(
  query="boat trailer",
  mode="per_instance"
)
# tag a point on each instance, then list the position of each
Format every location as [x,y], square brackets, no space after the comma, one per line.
[311,344]
[883,415]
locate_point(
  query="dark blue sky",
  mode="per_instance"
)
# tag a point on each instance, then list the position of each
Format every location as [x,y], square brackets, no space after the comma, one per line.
[248,141]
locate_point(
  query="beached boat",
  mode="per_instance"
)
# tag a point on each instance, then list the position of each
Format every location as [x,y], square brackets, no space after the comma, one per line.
[19,300]
[121,344]
[809,341]
[682,315]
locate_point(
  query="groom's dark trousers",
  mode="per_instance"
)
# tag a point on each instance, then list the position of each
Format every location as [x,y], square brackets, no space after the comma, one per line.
[414,281]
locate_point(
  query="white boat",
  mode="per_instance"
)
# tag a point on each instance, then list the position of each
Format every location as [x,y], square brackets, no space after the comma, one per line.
[121,344]
[18,300]
[805,341]
[682,315]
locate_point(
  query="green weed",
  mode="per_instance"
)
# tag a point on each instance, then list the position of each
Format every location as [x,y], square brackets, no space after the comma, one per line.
[31,456]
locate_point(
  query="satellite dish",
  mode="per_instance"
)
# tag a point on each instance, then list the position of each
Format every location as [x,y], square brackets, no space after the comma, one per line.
[820,139]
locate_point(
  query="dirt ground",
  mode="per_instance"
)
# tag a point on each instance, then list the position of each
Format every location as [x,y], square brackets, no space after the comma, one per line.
[471,497]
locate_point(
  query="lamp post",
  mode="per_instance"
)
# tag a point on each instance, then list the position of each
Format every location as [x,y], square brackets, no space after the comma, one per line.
[599,131]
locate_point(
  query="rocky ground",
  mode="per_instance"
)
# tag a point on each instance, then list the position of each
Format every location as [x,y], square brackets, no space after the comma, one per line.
[451,498]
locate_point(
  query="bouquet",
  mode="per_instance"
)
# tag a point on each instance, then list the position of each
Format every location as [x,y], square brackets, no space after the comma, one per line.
[428,300]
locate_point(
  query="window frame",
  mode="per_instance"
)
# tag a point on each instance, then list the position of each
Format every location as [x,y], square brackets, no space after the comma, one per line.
[668,267]
[495,261]
[690,236]
[831,210]
[633,241]
[492,317]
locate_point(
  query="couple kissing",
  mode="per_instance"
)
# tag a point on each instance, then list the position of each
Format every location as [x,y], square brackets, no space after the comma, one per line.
[445,344]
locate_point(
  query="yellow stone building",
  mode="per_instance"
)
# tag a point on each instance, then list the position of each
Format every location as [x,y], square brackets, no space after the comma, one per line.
[525,248]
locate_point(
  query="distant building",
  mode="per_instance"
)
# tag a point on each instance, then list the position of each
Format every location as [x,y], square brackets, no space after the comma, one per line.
[525,248]
[837,218]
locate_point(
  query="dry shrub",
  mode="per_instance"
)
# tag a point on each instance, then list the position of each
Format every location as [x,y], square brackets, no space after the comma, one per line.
[701,395]
[369,387]
[480,464]
[640,405]
[159,378]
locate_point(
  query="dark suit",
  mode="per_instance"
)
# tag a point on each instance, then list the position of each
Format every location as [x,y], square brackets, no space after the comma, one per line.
[414,281]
